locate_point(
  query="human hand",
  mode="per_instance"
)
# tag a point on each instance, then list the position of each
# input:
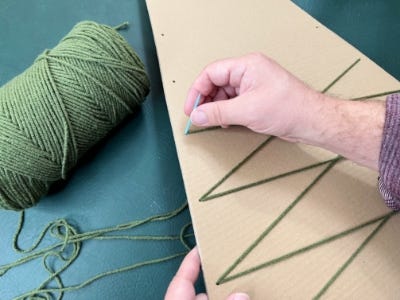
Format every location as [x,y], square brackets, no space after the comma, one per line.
[182,285]
[261,96]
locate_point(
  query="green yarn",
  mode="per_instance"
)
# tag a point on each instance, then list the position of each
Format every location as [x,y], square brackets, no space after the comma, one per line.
[206,196]
[336,80]
[61,106]
[267,231]
[375,95]
[199,130]
[67,245]
[354,254]
[284,257]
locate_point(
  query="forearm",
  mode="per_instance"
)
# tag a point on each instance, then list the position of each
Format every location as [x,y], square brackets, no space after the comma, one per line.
[352,129]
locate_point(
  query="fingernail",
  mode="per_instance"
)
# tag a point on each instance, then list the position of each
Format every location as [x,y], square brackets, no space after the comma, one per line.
[199,117]
[241,296]
[196,250]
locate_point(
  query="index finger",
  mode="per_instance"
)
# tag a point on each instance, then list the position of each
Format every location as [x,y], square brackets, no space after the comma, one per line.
[222,73]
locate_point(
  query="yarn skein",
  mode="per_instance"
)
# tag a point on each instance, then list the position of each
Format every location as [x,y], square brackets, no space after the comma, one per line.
[62,105]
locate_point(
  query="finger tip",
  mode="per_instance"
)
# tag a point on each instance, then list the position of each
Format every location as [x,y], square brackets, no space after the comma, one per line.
[187,109]
[199,117]
[195,253]
[239,296]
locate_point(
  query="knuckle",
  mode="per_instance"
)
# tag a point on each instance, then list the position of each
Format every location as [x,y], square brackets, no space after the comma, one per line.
[218,114]
[258,56]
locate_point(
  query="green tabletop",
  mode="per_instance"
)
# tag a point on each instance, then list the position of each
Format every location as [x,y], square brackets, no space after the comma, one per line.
[135,173]
[131,175]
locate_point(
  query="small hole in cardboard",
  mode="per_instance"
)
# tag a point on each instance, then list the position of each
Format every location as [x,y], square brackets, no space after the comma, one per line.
[162,34]
[173,81]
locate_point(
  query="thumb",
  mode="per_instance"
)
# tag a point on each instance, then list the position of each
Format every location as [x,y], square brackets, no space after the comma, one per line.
[220,113]
[239,296]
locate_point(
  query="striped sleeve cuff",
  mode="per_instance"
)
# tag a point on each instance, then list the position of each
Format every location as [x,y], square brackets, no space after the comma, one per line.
[389,159]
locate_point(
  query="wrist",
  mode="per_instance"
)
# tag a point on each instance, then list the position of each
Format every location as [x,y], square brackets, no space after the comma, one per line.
[309,122]
[320,120]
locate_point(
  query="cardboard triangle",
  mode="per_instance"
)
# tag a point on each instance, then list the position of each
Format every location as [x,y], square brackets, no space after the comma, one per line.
[189,35]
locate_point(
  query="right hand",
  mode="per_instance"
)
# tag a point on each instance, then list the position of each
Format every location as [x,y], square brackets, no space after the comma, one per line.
[260,94]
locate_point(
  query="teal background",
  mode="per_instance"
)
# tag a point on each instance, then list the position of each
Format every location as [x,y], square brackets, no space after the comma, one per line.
[372,26]
[135,172]
[131,175]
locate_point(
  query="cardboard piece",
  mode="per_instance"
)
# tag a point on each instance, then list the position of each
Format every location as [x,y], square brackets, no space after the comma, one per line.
[189,35]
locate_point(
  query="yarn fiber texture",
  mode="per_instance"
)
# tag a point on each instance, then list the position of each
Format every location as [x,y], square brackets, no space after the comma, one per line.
[61,106]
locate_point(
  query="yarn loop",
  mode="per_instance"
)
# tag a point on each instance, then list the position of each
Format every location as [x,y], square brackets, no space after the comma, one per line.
[61,106]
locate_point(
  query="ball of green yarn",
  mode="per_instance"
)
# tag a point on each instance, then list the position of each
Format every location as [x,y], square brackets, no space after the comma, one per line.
[62,105]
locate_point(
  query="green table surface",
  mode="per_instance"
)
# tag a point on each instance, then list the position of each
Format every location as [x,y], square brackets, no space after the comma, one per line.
[135,172]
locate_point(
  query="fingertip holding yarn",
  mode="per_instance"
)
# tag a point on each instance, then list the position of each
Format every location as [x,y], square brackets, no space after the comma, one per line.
[61,106]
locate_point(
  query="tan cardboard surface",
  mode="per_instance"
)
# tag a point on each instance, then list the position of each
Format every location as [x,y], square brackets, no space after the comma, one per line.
[189,34]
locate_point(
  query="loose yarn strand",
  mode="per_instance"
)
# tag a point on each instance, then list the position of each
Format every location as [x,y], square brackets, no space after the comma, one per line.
[69,246]
[121,26]
[54,228]
[182,236]
[28,295]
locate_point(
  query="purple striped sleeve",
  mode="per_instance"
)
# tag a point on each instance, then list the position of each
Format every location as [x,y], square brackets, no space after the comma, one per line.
[389,159]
